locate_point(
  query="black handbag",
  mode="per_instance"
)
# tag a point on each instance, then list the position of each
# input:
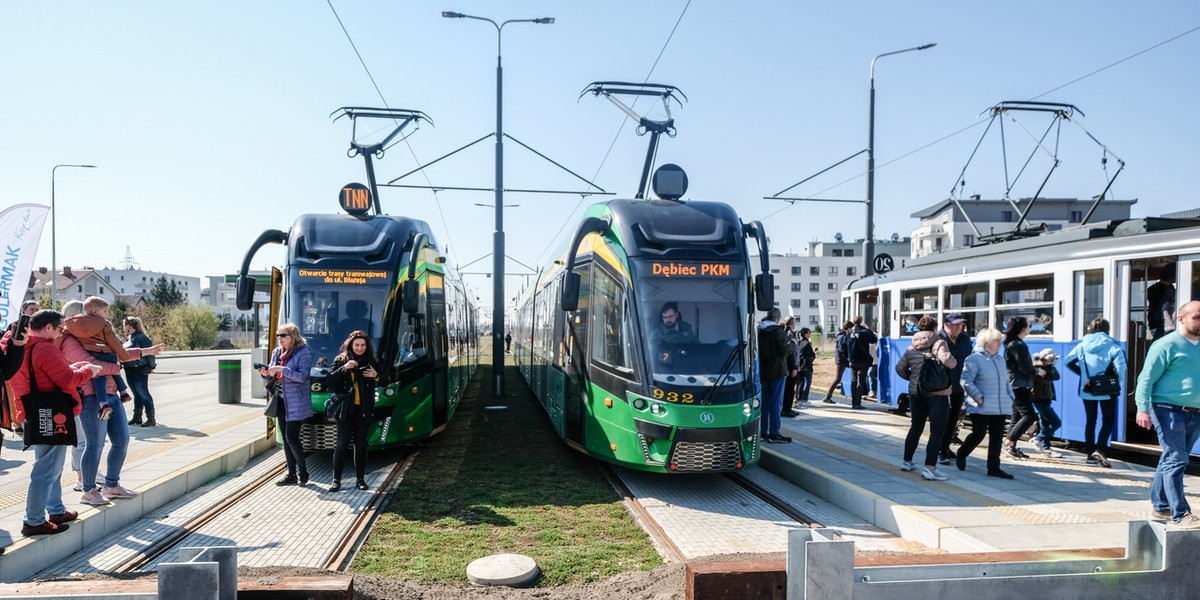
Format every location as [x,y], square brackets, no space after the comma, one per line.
[337,407]
[49,416]
[1105,384]
[274,398]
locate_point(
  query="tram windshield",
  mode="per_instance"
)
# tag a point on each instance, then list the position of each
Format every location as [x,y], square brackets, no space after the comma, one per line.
[694,316]
[327,312]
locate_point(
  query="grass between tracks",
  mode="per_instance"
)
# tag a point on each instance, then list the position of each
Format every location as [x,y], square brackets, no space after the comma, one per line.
[503,482]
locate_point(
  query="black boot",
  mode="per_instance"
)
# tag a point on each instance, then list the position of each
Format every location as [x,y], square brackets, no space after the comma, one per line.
[337,485]
[362,485]
[136,420]
[303,478]
[290,479]
[150,422]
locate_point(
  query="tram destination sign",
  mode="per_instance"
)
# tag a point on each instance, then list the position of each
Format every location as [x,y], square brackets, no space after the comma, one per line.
[342,276]
[669,269]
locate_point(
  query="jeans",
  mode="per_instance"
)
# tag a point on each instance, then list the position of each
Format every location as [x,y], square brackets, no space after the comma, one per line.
[139,384]
[772,403]
[353,428]
[993,427]
[293,450]
[1108,410]
[78,448]
[1177,434]
[933,408]
[837,382]
[116,428]
[100,382]
[1023,414]
[873,378]
[1048,424]
[858,383]
[803,386]
[45,485]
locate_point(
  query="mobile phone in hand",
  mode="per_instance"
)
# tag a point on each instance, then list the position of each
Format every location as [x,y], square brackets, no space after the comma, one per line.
[259,365]
[22,325]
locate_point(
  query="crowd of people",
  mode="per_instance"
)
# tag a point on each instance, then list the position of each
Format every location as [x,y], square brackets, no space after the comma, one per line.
[1004,390]
[69,362]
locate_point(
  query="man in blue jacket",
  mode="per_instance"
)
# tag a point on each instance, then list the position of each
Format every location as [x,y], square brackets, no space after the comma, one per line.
[858,349]
[1168,400]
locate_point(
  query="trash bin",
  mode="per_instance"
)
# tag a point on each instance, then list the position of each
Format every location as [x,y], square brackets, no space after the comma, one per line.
[229,380]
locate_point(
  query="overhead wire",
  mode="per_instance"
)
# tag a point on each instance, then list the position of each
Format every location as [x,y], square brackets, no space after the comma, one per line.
[616,136]
[436,198]
[983,120]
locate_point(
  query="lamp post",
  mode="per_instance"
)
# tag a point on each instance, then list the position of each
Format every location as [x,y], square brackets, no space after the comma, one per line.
[869,249]
[54,237]
[498,236]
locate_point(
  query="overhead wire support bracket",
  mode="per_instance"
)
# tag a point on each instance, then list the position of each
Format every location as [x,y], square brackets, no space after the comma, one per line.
[401,116]
[666,93]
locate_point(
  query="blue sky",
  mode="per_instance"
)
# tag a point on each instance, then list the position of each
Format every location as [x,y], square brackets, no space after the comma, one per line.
[209,121]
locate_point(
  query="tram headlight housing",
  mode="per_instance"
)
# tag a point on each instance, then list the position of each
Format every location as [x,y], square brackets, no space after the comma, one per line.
[639,403]
[755,403]
[746,409]
[658,409]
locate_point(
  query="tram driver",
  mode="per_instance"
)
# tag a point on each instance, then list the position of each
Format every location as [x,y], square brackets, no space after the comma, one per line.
[672,329]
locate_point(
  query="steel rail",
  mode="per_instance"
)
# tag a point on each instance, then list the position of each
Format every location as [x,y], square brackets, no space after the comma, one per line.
[660,538]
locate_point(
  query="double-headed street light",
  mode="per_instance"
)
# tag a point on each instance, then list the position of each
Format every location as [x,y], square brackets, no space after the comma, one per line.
[869,250]
[498,245]
[53,237]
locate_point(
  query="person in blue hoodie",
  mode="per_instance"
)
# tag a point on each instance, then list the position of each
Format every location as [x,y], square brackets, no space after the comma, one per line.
[989,399]
[1094,354]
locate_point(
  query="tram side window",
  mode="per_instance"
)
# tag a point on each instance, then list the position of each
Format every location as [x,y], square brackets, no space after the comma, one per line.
[1089,299]
[972,300]
[915,304]
[1031,297]
[611,339]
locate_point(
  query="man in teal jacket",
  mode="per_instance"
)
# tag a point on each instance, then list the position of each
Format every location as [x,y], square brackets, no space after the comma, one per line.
[1168,397]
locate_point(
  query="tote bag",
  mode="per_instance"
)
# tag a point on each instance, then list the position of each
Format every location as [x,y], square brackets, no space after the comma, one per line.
[49,416]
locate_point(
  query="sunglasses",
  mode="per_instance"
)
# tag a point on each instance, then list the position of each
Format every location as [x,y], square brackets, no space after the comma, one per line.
[283,335]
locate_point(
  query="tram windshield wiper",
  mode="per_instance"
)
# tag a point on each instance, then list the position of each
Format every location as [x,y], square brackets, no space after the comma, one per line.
[724,375]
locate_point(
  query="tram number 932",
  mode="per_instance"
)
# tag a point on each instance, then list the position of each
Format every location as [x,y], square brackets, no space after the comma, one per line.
[674,397]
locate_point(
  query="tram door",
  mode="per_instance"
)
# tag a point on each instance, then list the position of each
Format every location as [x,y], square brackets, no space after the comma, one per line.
[1149,289]
[576,360]
[868,307]
[437,348]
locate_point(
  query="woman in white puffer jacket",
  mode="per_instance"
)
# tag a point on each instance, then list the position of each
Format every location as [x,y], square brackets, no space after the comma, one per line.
[989,400]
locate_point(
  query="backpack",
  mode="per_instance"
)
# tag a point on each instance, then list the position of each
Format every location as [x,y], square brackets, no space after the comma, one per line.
[935,377]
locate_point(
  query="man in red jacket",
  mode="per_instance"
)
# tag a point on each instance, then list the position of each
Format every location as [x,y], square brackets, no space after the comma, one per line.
[44,510]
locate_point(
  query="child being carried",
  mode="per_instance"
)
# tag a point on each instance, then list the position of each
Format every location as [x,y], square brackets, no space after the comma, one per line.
[96,334]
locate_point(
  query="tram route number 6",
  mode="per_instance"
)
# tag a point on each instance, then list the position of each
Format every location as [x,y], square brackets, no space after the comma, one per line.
[674,397]
[884,263]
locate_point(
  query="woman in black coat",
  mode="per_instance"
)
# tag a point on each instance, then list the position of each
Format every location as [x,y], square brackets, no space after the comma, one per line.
[353,374]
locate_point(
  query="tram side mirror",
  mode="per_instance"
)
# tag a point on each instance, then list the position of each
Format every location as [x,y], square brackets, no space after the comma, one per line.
[410,293]
[245,292]
[764,291]
[570,292]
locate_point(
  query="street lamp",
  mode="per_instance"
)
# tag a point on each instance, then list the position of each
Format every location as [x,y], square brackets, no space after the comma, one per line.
[53,237]
[498,244]
[869,250]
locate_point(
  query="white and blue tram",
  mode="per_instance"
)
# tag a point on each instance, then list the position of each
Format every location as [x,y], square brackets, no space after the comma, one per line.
[1060,281]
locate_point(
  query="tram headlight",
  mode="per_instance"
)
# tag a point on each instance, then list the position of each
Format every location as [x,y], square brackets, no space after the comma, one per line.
[755,403]
[746,409]
[657,409]
[639,403]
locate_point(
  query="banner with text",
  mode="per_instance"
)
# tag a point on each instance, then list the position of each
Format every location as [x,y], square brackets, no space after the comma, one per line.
[20,231]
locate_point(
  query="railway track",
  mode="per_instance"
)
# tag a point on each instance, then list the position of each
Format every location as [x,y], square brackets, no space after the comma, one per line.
[711,503]
[243,502]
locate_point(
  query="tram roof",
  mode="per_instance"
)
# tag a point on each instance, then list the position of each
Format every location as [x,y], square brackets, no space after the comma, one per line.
[1050,246]
[373,238]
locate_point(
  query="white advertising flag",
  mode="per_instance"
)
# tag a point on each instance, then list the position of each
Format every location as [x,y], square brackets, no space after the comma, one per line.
[20,231]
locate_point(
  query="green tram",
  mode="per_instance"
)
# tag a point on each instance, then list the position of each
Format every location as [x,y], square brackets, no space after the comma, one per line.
[618,385]
[384,275]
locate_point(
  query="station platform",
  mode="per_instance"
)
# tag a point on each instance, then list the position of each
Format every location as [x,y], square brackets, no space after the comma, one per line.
[852,458]
[197,440]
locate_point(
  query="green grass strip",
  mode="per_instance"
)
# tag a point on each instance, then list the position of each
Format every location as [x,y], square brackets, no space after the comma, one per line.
[503,482]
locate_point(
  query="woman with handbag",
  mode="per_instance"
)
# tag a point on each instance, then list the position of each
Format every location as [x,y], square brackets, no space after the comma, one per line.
[1095,359]
[1021,373]
[46,372]
[289,368]
[352,379]
[139,374]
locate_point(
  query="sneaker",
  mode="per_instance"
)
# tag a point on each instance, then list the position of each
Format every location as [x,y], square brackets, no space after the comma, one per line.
[828,401]
[65,517]
[1091,460]
[1048,452]
[78,486]
[116,492]
[1161,514]
[933,474]
[947,458]
[93,497]
[1000,474]
[105,412]
[47,528]
[1011,451]
[907,465]
[1101,460]
[288,480]
[791,413]
[1189,521]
